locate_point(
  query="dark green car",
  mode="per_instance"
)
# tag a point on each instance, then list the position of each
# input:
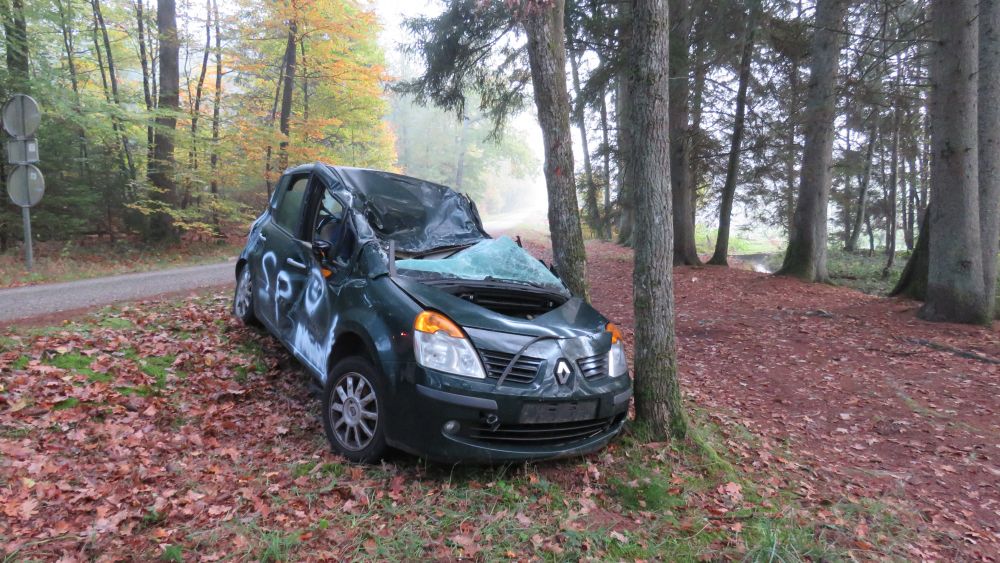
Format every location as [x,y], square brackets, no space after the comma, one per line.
[425,333]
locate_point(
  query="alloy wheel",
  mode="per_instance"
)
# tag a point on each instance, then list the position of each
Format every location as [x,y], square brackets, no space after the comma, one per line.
[354,411]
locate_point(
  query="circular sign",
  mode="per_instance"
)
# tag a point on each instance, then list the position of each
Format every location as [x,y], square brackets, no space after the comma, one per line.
[25,185]
[21,115]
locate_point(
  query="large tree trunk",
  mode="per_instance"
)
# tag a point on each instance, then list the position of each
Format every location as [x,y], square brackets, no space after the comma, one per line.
[989,147]
[721,254]
[623,101]
[682,183]
[579,115]
[286,95]
[805,257]
[913,281]
[955,277]
[543,25]
[161,169]
[657,392]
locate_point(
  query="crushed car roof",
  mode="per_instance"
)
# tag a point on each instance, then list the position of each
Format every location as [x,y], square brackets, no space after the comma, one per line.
[417,215]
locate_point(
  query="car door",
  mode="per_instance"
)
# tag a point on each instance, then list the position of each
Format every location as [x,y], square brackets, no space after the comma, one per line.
[283,264]
[315,311]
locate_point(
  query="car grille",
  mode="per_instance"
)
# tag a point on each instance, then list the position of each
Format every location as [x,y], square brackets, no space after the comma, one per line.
[524,371]
[593,366]
[539,434]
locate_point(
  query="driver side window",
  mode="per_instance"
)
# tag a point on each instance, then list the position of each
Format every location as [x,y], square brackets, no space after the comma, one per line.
[331,225]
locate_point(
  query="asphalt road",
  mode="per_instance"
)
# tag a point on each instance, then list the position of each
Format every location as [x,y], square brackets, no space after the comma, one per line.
[49,300]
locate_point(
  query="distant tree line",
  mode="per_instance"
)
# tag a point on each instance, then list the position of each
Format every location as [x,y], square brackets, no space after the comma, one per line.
[158,122]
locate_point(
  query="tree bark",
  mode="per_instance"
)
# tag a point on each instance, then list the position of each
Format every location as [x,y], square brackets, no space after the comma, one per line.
[721,254]
[861,209]
[543,26]
[682,184]
[913,281]
[286,95]
[955,276]
[113,80]
[161,169]
[623,100]
[657,392]
[989,147]
[579,115]
[147,91]
[805,257]
[606,216]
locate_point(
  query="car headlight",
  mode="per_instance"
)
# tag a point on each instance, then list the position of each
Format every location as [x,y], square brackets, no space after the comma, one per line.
[617,362]
[440,345]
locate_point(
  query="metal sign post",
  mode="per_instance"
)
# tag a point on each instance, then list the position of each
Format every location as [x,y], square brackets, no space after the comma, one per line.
[25,185]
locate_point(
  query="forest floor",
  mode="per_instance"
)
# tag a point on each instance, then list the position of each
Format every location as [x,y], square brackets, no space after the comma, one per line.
[844,427]
[69,261]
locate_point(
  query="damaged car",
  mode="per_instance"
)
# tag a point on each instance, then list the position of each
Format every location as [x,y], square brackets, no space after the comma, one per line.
[423,332]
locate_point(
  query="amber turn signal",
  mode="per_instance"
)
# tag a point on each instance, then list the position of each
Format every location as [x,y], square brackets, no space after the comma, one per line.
[431,322]
[616,335]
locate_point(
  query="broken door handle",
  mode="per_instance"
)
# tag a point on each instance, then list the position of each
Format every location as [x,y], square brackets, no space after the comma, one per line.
[295,263]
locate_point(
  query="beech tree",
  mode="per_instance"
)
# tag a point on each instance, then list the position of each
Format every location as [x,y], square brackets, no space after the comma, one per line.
[161,168]
[657,392]
[805,257]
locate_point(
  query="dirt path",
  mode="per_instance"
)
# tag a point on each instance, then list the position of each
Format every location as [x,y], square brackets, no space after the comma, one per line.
[53,300]
[869,401]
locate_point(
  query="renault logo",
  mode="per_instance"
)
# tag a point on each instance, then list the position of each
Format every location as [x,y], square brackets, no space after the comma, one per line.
[563,371]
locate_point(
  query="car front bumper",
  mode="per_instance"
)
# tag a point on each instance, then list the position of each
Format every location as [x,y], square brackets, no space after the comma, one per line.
[449,418]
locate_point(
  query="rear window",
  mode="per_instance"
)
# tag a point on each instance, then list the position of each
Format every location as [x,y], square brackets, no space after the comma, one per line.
[288,215]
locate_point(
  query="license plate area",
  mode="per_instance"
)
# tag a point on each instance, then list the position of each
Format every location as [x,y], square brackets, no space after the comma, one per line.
[561,411]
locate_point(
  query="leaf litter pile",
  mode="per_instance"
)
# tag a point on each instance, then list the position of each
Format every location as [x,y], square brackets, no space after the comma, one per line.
[830,425]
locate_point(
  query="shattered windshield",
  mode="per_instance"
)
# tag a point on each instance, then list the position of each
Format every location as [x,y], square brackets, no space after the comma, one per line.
[499,259]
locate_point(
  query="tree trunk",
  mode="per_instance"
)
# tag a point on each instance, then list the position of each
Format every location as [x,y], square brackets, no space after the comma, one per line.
[657,392]
[579,115]
[216,107]
[913,281]
[16,45]
[606,216]
[989,148]
[682,184]
[286,95]
[861,209]
[147,92]
[913,199]
[890,220]
[305,83]
[625,135]
[270,124]
[196,108]
[113,80]
[805,257]
[720,257]
[161,169]
[955,277]
[543,26]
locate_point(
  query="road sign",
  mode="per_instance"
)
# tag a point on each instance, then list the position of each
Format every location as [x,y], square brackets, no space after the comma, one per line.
[21,115]
[25,185]
[22,151]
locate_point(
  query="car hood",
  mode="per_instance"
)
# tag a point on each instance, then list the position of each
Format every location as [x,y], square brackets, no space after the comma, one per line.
[572,319]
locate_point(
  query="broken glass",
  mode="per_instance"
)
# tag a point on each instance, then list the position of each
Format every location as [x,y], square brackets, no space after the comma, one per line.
[499,259]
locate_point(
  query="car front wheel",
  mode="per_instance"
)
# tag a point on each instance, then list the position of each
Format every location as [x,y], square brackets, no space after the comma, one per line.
[354,412]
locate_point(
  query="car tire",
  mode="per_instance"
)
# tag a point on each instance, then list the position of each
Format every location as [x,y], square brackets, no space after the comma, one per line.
[354,410]
[243,297]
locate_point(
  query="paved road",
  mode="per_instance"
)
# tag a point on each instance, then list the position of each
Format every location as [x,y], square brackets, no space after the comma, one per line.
[49,300]
[52,299]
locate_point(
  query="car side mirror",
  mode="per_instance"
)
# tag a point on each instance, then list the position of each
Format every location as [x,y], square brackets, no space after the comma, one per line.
[321,250]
